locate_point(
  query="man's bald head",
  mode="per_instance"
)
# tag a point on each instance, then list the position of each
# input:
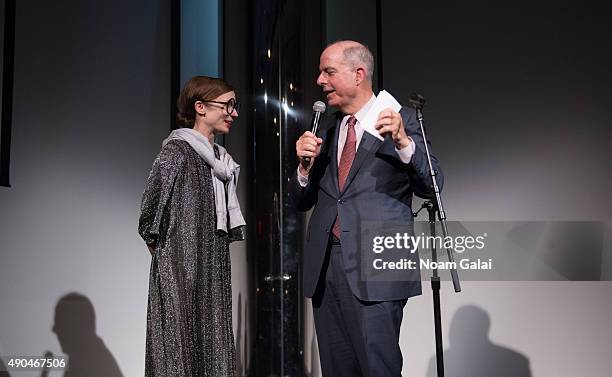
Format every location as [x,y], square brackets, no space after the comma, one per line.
[356,55]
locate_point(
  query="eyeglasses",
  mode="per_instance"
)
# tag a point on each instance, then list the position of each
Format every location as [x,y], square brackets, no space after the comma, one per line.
[230,105]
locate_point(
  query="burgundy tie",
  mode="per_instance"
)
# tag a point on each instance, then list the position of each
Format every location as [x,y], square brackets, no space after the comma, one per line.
[346,160]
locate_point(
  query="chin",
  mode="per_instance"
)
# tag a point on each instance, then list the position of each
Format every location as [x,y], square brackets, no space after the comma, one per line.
[223,130]
[333,100]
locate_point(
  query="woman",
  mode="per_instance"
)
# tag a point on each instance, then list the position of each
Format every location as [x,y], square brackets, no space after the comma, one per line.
[190,213]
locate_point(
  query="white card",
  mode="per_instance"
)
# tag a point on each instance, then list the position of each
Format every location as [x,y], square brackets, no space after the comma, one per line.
[383,100]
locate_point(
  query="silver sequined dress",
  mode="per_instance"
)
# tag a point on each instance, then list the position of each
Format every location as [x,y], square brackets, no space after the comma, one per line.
[189,317]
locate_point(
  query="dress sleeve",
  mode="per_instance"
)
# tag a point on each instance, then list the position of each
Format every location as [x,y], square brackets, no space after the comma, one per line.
[154,209]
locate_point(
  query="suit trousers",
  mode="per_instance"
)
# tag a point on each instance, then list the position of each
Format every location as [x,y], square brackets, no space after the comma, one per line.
[355,337]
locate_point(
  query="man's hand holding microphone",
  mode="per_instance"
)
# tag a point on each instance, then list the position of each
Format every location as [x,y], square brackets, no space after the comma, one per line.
[308,145]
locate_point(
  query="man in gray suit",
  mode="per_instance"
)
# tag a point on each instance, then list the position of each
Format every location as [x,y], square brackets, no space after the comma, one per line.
[353,177]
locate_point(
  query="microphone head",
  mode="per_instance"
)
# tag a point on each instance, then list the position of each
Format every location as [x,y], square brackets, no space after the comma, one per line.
[417,101]
[318,107]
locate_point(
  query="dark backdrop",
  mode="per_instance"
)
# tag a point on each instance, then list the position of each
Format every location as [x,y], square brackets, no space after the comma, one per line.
[519,103]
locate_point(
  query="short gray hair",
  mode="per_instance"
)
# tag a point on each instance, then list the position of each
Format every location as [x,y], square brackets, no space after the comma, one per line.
[358,54]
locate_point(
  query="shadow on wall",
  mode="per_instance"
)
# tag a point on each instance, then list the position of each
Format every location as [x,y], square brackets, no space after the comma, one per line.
[75,327]
[471,353]
[3,372]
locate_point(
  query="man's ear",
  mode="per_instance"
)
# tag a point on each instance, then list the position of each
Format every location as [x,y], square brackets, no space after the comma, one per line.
[199,108]
[360,75]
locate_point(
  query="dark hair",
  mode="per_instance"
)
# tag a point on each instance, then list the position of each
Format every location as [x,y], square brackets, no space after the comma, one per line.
[198,88]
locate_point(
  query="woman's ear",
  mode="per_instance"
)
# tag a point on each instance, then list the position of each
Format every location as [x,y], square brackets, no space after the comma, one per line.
[200,108]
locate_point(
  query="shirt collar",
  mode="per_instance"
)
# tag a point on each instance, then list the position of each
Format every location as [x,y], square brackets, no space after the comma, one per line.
[361,114]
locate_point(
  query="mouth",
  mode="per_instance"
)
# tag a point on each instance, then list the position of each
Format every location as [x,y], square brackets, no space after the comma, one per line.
[229,123]
[329,93]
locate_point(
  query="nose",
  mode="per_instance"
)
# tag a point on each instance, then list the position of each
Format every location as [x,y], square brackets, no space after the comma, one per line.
[234,113]
[321,79]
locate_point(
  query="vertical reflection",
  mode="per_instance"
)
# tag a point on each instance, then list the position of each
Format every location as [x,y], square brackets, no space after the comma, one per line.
[276,80]
[268,343]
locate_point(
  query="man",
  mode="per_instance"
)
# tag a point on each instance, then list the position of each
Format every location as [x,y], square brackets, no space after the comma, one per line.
[351,177]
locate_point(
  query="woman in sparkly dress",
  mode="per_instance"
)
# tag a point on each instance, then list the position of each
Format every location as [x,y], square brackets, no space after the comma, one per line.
[189,215]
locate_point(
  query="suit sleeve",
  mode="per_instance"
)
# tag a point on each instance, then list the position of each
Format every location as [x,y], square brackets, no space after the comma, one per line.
[303,198]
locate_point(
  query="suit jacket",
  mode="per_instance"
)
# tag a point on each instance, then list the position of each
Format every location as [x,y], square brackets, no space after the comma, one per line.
[379,187]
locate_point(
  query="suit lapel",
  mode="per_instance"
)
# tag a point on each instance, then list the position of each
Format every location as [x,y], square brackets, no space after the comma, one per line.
[330,183]
[367,147]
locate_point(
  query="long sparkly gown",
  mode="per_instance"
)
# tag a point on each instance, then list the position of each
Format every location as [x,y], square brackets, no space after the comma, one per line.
[189,316]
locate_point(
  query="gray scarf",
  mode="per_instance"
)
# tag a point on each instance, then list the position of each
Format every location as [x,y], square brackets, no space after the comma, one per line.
[225,178]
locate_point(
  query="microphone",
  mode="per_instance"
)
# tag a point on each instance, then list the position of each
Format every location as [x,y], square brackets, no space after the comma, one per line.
[417,101]
[318,108]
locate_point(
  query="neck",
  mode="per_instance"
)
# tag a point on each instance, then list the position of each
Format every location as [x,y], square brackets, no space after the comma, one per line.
[206,131]
[358,102]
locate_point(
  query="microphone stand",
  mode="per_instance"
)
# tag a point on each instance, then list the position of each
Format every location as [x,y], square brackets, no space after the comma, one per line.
[418,102]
